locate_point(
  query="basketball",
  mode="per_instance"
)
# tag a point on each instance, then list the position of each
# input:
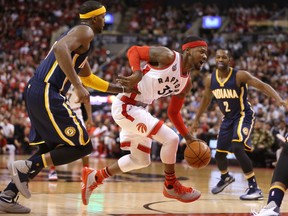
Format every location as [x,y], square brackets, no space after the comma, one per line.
[197,154]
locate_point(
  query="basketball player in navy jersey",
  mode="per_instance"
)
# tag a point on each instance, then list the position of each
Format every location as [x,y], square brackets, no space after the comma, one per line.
[229,87]
[55,128]
[279,185]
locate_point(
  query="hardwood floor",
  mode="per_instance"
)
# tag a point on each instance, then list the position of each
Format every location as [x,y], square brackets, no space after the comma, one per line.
[138,192]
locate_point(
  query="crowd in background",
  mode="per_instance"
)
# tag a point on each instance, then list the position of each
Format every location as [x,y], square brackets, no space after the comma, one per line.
[29,27]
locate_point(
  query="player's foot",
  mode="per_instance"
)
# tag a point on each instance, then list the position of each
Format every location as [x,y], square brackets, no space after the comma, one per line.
[252,193]
[270,210]
[19,171]
[89,183]
[222,184]
[8,204]
[52,176]
[181,193]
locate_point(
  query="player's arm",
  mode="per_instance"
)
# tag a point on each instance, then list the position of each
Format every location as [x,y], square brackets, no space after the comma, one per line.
[246,77]
[92,81]
[174,113]
[75,40]
[205,101]
[135,54]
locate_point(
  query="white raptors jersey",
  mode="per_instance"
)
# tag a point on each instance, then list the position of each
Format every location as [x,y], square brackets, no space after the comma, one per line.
[161,82]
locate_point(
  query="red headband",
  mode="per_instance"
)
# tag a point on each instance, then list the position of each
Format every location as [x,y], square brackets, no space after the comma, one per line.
[194,44]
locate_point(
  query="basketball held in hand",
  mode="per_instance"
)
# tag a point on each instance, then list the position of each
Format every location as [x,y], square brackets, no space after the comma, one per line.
[197,154]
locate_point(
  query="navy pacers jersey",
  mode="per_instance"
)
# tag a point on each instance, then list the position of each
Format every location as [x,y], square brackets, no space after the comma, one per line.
[231,99]
[53,122]
[49,70]
[238,114]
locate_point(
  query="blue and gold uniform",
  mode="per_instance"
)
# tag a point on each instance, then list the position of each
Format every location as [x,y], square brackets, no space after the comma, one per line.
[238,114]
[55,121]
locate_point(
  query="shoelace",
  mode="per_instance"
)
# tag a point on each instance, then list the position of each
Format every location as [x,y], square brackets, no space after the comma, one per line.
[180,189]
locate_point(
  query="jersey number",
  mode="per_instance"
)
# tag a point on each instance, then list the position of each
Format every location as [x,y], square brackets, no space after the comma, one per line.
[226,104]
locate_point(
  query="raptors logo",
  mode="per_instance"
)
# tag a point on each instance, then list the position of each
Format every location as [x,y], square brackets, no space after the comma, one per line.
[70,131]
[141,127]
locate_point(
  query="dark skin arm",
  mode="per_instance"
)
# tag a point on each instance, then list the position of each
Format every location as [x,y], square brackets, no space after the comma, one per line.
[206,100]
[112,88]
[77,40]
[245,77]
[162,55]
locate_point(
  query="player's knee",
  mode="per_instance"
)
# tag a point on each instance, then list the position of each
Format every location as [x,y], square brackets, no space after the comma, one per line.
[172,140]
[219,156]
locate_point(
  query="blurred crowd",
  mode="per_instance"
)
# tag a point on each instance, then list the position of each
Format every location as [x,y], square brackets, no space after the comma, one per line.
[29,27]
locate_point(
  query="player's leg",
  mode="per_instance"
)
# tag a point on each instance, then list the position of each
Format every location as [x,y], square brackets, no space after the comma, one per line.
[60,125]
[223,148]
[139,157]
[172,187]
[8,196]
[240,143]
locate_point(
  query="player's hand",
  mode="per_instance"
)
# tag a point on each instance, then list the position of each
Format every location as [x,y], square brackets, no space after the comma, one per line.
[82,93]
[130,81]
[131,90]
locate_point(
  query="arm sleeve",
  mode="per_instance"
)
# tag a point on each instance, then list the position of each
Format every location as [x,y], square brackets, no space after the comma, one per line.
[175,116]
[95,82]
[135,54]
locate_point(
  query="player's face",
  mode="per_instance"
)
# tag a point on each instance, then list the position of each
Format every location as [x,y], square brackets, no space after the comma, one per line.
[99,23]
[199,56]
[222,59]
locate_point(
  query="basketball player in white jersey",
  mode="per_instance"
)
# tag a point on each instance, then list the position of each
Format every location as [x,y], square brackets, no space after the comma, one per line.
[76,107]
[170,76]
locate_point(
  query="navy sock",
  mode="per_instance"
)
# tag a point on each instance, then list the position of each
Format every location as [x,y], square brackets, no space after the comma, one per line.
[37,163]
[275,194]
[11,186]
[252,182]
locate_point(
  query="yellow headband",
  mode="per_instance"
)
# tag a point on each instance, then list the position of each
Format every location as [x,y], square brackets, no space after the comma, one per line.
[93,13]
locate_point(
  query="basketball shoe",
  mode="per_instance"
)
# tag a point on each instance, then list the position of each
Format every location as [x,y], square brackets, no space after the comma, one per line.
[89,183]
[222,184]
[270,210]
[19,171]
[52,176]
[252,193]
[181,193]
[8,203]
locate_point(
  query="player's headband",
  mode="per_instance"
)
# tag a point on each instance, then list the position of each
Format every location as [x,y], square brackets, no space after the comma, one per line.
[93,13]
[194,44]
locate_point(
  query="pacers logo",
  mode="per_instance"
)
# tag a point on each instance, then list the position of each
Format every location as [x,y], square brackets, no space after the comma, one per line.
[141,127]
[70,131]
[245,131]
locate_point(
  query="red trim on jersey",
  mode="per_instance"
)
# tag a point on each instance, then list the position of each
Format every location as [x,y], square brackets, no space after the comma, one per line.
[144,148]
[124,112]
[137,53]
[174,114]
[155,129]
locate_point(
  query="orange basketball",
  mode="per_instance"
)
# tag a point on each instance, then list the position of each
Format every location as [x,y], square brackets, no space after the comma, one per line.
[197,154]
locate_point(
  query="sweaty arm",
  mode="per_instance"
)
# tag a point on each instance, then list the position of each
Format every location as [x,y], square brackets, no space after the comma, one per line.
[135,54]
[246,77]
[92,81]
[175,116]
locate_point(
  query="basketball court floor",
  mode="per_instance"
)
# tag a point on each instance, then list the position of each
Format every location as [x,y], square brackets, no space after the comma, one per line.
[138,192]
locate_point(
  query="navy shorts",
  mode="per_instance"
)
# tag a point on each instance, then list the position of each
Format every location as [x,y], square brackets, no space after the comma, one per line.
[235,130]
[52,121]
